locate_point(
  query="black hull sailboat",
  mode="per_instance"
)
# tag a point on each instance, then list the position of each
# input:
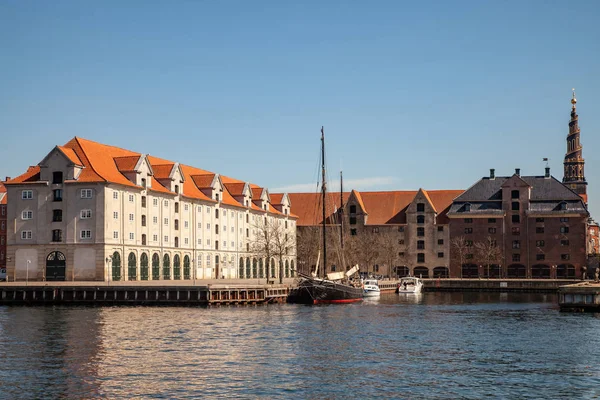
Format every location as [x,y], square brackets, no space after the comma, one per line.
[321,290]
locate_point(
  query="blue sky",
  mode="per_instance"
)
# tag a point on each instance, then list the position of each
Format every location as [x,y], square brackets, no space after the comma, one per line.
[412,94]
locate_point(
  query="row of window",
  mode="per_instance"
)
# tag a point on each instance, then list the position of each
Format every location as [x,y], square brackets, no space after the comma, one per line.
[517,230]
[540,257]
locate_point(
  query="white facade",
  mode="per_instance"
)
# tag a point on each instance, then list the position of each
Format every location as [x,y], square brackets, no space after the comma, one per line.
[112,231]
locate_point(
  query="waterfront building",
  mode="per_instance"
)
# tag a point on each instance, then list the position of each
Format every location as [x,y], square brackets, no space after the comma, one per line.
[390,233]
[90,211]
[518,227]
[3,225]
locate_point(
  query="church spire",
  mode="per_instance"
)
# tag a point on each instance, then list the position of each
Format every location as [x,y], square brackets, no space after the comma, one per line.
[574,163]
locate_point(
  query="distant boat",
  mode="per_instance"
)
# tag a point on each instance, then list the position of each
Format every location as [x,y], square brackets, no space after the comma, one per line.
[371,288]
[335,287]
[410,284]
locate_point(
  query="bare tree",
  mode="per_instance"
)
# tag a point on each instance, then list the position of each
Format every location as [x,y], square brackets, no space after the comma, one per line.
[488,253]
[365,249]
[307,247]
[272,241]
[458,251]
[389,248]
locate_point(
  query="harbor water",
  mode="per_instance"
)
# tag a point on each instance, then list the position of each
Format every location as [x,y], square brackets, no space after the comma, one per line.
[436,345]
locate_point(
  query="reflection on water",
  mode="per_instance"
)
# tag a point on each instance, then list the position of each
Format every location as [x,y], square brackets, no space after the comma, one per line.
[444,345]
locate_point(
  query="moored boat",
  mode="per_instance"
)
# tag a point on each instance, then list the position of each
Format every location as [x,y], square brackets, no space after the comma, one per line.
[371,288]
[330,288]
[410,284]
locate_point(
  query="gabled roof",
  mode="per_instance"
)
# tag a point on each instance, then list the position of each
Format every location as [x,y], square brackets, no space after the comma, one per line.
[3,197]
[307,206]
[386,207]
[31,176]
[162,171]
[126,164]
[236,189]
[204,181]
[104,163]
[71,155]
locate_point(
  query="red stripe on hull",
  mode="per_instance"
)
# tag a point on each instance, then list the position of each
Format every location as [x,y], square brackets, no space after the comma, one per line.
[336,301]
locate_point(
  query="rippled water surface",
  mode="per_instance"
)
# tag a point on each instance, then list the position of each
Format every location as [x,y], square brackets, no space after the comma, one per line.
[433,346]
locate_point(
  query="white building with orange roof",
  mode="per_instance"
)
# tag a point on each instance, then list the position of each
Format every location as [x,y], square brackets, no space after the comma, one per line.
[90,211]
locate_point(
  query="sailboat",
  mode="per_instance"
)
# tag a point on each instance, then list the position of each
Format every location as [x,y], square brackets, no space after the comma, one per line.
[321,287]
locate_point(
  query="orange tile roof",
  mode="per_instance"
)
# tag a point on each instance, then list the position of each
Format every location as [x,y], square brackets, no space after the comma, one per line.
[70,154]
[236,189]
[126,164]
[307,207]
[3,196]
[387,207]
[104,163]
[99,161]
[203,181]
[32,175]
[162,171]
[360,200]
[256,191]
[381,207]
[276,198]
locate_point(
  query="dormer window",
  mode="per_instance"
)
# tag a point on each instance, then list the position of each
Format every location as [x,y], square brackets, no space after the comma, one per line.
[177,189]
[467,207]
[352,209]
[217,196]
[144,182]
[57,177]
[562,206]
[265,207]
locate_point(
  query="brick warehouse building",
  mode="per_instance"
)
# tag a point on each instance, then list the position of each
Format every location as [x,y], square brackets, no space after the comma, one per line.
[537,223]
[391,233]
[541,227]
[3,225]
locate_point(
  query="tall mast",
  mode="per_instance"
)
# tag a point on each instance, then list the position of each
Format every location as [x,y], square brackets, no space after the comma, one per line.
[323,190]
[342,209]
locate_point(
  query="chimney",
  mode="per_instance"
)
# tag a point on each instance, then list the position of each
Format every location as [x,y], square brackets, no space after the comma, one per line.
[7,179]
[518,171]
[492,173]
[547,175]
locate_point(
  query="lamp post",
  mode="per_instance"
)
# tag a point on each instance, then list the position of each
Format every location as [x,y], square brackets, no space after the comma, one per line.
[106,273]
[27,273]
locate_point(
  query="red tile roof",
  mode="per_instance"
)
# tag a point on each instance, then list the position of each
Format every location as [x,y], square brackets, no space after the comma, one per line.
[3,196]
[71,155]
[126,164]
[162,171]
[236,189]
[104,163]
[31,176]
[204,181]
[307,206]
[381,207]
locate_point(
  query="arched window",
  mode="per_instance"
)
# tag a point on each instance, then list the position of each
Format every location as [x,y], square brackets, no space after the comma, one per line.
[293,269]
[144,267]
[248,268]
[287,269]
[166,267]
[116,266]
[176,267]
[254,265]
[241,268]
[273,275]
[261,271]
[155,267]
[177,189]
[186,267]
[131,267]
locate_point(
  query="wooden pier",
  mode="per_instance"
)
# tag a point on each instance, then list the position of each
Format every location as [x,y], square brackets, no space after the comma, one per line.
[583,296]
[93,293]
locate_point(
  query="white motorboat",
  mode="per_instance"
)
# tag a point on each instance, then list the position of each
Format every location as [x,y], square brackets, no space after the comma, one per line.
[371,288]
[410,284]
